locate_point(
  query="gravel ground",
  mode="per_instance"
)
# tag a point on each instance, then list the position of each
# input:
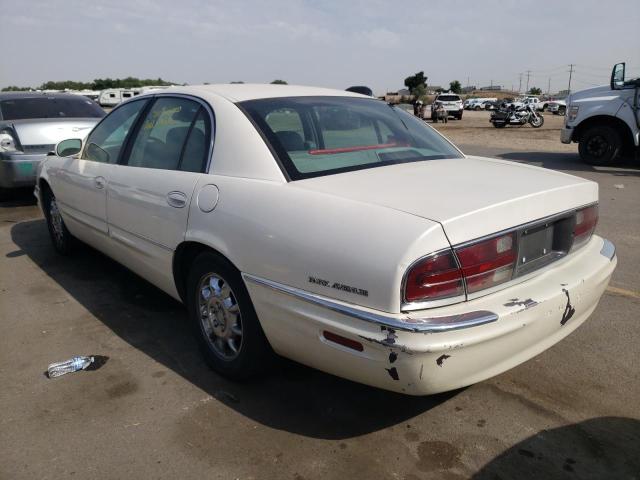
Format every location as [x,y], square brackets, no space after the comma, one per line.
[475,129]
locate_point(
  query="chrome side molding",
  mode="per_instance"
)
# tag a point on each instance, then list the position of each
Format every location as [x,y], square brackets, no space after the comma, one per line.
[422,325]
[608,249]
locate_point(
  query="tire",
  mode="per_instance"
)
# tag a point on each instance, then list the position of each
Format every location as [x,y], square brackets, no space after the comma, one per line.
[537,124]
[599,145]
[229,335]
[459,116]
[499,124]
[477,108]
[62,240]
[562,111]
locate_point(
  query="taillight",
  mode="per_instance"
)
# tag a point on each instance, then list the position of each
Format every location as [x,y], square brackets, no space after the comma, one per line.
[489,262]
[586,221]
[434,277]
[8,140]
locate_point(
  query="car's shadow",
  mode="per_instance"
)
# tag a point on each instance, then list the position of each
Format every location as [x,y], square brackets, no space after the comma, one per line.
[291,397]
[606,447]
[571,162]
[18,197]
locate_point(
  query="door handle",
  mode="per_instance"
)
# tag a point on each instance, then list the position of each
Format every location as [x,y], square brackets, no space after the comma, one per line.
[99,182]
[176,199]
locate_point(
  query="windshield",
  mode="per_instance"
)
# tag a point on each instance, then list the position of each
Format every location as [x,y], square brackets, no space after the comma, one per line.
[316,136]
[49,107]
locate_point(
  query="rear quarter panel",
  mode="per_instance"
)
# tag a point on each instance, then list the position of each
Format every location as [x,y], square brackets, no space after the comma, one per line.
[286,234]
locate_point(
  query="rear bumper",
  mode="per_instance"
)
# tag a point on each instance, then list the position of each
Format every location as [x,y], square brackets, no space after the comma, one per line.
[480,338]
[19,169]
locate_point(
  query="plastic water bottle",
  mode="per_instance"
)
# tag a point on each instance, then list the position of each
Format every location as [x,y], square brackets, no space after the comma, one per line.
[72,365]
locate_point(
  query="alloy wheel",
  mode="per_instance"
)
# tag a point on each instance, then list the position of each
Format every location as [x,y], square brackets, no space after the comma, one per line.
[220,317]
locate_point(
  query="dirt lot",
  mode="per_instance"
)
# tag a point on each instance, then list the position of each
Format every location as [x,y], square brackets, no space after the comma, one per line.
[154,410]
[475,129]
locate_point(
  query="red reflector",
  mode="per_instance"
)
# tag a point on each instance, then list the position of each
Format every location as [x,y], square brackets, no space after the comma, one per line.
[586,221]
[437,276]
[489,262]
[344,341]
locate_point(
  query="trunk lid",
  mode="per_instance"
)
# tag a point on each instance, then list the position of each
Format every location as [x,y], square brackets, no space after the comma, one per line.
[37,135]
[471,197]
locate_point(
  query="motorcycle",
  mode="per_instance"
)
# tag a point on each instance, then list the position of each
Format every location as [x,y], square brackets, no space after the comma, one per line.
[512,115]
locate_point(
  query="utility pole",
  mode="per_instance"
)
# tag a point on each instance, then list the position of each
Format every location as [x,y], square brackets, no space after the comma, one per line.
[520,85]
[570,73]
[467,81]
[549,87]
[528,75]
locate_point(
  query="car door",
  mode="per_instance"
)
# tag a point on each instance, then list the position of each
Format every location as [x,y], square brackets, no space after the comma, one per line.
[150,192]
[80,184]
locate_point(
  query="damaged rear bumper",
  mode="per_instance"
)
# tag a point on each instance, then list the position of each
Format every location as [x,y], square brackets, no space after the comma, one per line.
[430,351]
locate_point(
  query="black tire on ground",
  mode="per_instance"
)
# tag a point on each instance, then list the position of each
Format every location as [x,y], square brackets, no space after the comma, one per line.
[254,354]
[459,116]
[600,145]
[499,124]
[540,122]
[62,240]
[477,107]
[562,111]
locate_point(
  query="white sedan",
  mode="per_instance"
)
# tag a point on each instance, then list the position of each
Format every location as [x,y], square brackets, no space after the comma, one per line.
[332,229]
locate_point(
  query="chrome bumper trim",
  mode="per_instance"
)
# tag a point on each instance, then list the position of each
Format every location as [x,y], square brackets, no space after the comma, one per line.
[423,325]
[608,249]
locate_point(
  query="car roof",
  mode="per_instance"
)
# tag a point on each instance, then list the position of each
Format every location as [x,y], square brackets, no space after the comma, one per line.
[240,92]
[16,95]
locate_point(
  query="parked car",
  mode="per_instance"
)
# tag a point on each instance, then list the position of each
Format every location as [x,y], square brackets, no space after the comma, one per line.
[30,126]
[333,229]
[451,102]
[481,103]
[493,105]
[361,89]
[558,107]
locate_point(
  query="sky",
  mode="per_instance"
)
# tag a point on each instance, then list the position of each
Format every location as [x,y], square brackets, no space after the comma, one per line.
[328,43]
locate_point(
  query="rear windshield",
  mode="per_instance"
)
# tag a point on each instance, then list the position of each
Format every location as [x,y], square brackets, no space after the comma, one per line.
[449,98]
[49,107]
[316,136]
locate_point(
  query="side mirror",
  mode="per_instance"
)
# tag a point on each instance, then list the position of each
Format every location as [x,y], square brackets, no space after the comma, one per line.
[617,76]
[66,148]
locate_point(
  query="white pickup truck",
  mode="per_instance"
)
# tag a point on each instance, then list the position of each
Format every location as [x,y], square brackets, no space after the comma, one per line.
[605,121]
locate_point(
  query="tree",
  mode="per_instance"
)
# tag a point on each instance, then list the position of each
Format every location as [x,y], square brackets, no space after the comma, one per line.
[279,82]
[535,91]
[13,88]
[236,81]
[97,84]
[455,86]
[417,84]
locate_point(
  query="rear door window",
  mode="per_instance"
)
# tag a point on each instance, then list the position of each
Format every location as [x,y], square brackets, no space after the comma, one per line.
[162,135]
